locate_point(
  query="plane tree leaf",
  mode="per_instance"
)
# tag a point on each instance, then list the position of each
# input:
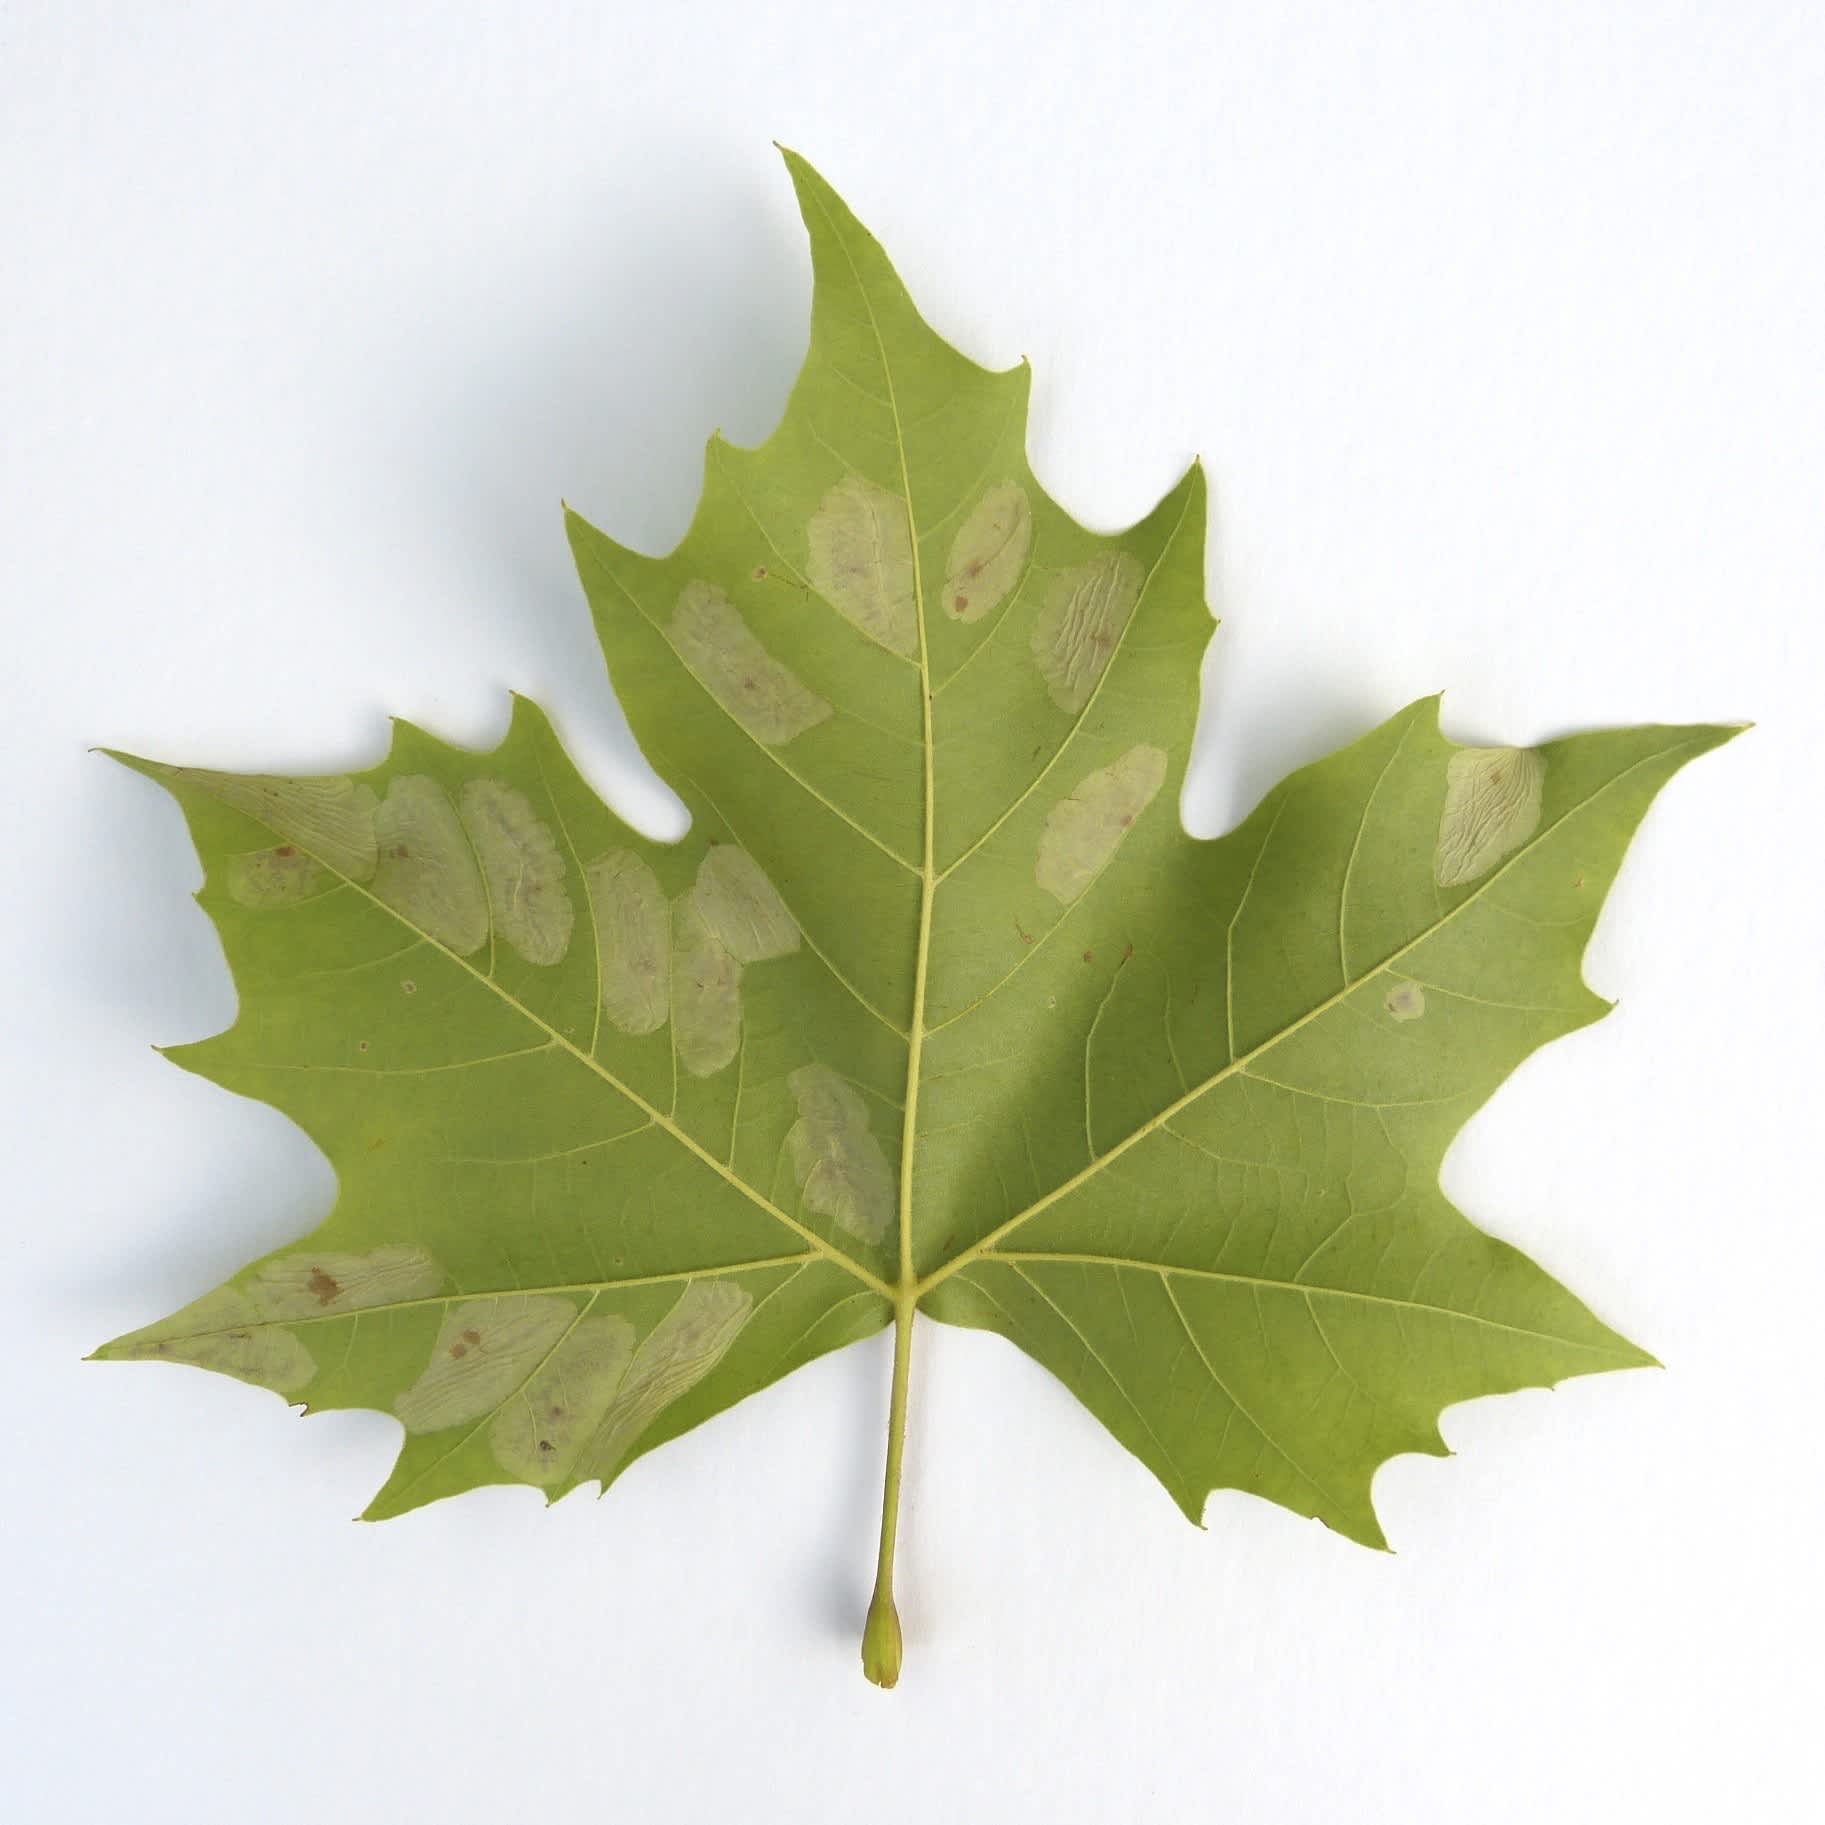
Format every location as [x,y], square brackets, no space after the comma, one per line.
[935,1008]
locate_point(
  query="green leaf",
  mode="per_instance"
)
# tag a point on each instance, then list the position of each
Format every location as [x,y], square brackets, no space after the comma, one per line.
[936,1008]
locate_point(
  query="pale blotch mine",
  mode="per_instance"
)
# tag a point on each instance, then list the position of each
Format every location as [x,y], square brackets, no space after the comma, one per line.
[427,870]
[841,1170]
[1080,623]
[716,644]
[988,553]
[223,1331]
[314,1284]
[633,941]
[275,877]
[1083,832]
[522,868]
[862,562]
[1492,806]
[485,1349]
[681,1349]
[331,818]
[739,905]
[706,992]
[539,1432]
[1405,1001]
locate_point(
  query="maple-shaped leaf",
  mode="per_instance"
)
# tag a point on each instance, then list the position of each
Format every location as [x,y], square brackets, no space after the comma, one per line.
[936,1007]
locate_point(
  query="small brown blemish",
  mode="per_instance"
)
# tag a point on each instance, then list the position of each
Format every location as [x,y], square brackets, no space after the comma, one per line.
[545,1444]
[285,849]
[361,1045]
[410,987]
[325,1286]
[1026,937]
[459,1349]
[760,573]
[1089,956]
[472,1337]
[960,605]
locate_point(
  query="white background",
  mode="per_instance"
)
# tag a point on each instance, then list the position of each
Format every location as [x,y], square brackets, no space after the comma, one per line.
[1502,331]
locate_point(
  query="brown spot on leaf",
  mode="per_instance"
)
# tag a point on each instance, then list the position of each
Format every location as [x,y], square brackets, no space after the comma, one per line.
[325,1286]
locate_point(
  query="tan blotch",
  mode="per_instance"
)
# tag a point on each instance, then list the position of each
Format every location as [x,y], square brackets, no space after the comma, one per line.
[427,870]
[633,941]
[862,562]
[841,1170]
[681,1349]
[1492,806]
[224,1331]
[739,905]
[1406,1001]
[522,869]
[331,818]
[1083,832]
[1080,624]
[485,1349]
[988,553]
[715,642]
[275,877]
[539,1431]
[314,1285]
[706,992]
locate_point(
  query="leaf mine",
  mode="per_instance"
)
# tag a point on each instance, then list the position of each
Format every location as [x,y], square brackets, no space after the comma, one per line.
[740,907]
[841,1170]
[1080,623]
[1405,1001]
[989,553]
[224,1331]
[332,819]
[761,694]
[682,1348]
[862,562]
[521,868]
[633,941]
[706,992]
[427,871]
[1492,806]
[1083,832]
[485,1349]
[539,1430]
[311,1284]
[284,876]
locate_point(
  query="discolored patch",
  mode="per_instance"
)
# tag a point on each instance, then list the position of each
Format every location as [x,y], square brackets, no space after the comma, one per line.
[1492,806]
[681,1349]
[841,1170]
[633,941]
[314,1285]
[739,905]
[988,553]
[485,1349]
[706,992]
[331,818]
[539,1432]
[1405,1001]
[761,694]
[862,562]
[275,877]
[427,870]
[223,1331]
[522,869]
[1083,832]
[1081,622]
